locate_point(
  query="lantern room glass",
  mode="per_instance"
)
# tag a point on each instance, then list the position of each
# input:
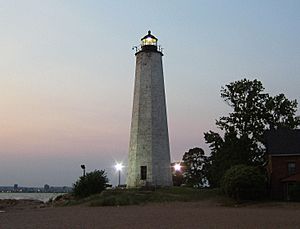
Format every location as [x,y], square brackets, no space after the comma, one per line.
[149,41]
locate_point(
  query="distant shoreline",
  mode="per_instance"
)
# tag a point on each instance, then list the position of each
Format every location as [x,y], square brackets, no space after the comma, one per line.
[41,196]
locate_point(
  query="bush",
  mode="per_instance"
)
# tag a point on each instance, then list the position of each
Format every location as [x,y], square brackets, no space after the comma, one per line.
[243,182]
[92,183]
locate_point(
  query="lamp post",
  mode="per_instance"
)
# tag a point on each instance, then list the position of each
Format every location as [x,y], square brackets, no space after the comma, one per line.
[119,167]
[83,168]
[177,167]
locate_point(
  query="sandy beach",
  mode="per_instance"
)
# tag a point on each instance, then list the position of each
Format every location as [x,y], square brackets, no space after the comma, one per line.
[205,214]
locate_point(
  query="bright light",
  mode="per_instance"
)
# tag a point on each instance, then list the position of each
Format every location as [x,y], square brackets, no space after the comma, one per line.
[149,39]
[177,167]
[119,166]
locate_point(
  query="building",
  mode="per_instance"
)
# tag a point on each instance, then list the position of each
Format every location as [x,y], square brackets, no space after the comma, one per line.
[16,187]
[283,150]
[46,187]
[149,153]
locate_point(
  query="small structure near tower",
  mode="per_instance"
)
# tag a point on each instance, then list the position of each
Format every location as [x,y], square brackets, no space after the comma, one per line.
[149,152]
[283,150]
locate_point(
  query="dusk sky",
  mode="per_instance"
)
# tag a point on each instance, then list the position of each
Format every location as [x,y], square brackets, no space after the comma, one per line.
[67,75]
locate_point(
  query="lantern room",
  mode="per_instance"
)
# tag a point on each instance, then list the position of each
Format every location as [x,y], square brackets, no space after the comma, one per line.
[148,44]
[149,39]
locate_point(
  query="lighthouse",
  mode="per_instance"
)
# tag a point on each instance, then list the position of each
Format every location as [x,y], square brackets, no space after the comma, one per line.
[149,150]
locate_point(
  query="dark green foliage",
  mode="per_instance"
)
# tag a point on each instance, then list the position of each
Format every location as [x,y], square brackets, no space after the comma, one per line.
[194,173]
[92,183]
[294,191]
[243,182]
[243,142]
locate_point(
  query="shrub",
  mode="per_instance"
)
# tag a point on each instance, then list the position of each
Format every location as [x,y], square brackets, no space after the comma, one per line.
[243,182]
[92,183]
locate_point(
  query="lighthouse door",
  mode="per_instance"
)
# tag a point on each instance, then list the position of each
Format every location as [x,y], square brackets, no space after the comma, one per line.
[143,172]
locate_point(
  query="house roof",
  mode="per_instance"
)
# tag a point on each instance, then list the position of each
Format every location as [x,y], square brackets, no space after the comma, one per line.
[283,142]
[292,178]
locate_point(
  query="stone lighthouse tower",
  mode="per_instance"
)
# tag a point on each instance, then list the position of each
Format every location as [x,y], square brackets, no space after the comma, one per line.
[149,152]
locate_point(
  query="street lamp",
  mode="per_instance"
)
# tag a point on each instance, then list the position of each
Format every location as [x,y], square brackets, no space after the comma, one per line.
[119,167]
[177,167]
[83,168]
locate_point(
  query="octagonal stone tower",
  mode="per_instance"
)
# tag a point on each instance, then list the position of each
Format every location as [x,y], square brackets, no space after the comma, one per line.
[149,152]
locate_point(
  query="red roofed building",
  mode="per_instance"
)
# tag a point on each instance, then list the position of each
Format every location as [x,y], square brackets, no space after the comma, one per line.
[283,150]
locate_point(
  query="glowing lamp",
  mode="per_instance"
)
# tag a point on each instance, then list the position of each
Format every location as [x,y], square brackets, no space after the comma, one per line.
[177,167]
[119,166]
[149,39]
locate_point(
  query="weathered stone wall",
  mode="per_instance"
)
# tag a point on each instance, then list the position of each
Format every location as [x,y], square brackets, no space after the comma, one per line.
[149,140]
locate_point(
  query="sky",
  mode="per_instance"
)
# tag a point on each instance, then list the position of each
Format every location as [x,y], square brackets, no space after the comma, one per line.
[67,75]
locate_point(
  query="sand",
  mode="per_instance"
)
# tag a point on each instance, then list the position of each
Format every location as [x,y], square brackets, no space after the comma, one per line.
[205,214]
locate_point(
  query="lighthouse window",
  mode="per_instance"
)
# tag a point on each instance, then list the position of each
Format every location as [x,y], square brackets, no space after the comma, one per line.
[143,172]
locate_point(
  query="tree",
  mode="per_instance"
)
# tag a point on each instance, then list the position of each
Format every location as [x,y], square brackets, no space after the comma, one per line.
[92,183]
[243,182]
[254,111]
[194,173]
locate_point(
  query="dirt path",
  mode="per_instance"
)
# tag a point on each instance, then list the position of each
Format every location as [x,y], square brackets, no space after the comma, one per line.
[164,215]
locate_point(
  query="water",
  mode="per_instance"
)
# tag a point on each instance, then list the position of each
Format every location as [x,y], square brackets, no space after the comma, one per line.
[33,196]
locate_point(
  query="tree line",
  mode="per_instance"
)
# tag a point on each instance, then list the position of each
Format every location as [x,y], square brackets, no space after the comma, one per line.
[240,141]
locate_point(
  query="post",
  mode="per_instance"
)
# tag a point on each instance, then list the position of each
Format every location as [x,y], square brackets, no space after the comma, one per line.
[83,168]
[118,168]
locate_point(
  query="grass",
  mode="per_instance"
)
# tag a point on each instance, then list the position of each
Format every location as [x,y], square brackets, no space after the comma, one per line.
[134,197]
[121,197]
